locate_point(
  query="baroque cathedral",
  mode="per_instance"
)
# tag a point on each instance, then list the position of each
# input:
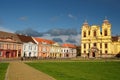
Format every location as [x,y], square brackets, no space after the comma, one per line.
[97,42]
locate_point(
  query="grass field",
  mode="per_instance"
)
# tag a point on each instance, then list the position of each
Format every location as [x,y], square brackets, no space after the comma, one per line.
[3,69]
[80,70]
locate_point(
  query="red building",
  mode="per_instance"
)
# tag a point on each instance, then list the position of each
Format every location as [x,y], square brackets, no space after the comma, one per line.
[10,45]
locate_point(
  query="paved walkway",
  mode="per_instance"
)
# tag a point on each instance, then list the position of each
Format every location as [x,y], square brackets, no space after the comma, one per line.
[20,71]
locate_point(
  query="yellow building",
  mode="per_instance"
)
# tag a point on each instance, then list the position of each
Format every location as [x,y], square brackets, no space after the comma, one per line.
[96,42]
[55,51]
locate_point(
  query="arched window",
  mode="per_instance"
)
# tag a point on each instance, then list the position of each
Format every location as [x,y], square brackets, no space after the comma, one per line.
[95,44]
[106,51]
[88,32]
[100,45]
[106,46]
[94,33]
[84,46]
[84,34]
[29,54]
[105,32]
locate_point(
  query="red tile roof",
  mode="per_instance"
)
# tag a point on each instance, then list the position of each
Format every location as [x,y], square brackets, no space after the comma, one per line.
[68,45]
[41,40]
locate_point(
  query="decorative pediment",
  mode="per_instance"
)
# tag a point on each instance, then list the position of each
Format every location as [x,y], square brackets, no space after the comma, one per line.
[56,44]
[7,39]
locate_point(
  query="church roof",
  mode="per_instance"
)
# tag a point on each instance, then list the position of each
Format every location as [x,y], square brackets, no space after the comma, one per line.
[115,38]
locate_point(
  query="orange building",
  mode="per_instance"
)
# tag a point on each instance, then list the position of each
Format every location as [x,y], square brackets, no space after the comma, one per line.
[44,47]
[10,45]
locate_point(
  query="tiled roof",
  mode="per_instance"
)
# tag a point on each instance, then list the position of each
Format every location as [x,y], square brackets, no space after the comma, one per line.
[26,38]
[114,38]
[68,45]
[46,41]
[7,36]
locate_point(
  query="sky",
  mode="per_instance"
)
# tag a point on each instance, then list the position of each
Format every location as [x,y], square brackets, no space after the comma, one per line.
[45,15]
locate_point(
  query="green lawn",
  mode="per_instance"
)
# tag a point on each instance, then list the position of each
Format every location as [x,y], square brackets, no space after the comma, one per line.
[80,70]
[3,69]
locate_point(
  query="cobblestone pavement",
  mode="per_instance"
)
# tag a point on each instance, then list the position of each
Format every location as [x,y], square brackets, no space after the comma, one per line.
[17,70]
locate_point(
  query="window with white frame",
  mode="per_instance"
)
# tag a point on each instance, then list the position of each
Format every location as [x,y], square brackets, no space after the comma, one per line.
[30,47]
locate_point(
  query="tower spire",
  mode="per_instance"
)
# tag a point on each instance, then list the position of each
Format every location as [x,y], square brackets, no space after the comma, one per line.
[105,17]
[85,23]
[106,21]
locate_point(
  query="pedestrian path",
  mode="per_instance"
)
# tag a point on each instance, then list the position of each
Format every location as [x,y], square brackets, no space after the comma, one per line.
[20,71]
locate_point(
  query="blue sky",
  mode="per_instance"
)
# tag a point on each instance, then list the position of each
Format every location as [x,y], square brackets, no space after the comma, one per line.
[42,15]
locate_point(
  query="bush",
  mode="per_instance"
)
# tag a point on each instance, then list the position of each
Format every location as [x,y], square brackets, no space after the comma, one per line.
[118,55]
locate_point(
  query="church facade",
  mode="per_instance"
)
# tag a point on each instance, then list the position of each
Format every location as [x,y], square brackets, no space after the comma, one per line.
[98,41]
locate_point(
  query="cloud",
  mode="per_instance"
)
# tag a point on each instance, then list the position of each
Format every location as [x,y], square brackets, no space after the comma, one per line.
[54,19]
[23,18]
[65,38]
[57,32]
[58,40]
[29,32]
[59,35]
[71,39]
[71,16]
[1,22]
[5,29]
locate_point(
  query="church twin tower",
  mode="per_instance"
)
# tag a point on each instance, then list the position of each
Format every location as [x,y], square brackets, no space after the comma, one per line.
[96,43]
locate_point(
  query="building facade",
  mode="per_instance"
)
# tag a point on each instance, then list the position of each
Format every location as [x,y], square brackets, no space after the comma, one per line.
[44,47]
[55,51]
[15,46]
[69,50]
[10,45]
[98,43]
[29,46]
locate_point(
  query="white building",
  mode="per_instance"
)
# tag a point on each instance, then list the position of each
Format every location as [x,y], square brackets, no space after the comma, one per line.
[30,48]
[69,50]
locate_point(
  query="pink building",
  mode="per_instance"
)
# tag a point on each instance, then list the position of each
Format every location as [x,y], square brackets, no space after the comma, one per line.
[10,45]
[44,47]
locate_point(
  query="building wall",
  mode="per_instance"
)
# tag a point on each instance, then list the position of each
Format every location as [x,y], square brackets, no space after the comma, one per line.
[30,50]
[69,52]
[97,44]
[10,49]
[43,50]
[55,51]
